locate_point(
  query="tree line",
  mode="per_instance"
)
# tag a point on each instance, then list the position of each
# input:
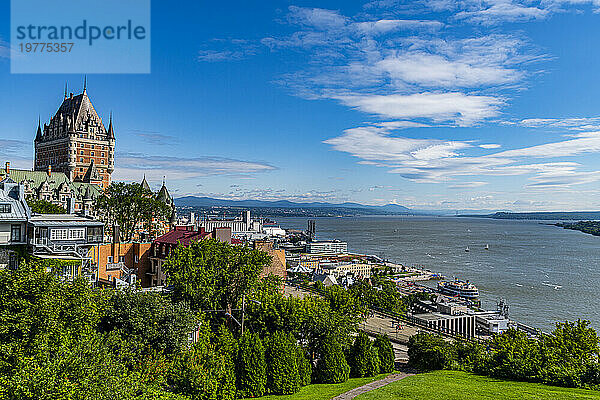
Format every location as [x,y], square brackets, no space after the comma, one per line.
[68,340]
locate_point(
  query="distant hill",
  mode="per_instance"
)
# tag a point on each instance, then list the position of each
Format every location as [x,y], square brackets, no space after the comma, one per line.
[194,201]
[555,215]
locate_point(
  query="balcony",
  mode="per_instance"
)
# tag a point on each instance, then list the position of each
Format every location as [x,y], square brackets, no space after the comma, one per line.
[115,266]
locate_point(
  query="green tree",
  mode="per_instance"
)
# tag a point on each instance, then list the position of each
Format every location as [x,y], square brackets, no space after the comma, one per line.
[149,321]
[385,352]
[210,274]
[128,205]
[364,360]
[44,207]
[282,364]
[203,372]
[514,356]
[428,352]
[251,371]
[304,366]
[332,366]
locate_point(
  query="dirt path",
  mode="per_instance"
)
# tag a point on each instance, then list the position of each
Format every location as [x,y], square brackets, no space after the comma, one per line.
[372,386]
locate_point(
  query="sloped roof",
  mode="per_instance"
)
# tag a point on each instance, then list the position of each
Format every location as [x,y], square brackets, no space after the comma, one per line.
[181,236]
[36,178]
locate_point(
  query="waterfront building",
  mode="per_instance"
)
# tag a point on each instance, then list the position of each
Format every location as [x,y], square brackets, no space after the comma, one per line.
[243,224]
[327,247]
[356,269]
[76,142]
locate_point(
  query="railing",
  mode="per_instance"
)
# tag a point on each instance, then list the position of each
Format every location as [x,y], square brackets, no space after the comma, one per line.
[115,266]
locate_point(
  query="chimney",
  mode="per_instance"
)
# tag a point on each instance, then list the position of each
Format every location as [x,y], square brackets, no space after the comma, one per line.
[116,233]
[7,168]
[49,170]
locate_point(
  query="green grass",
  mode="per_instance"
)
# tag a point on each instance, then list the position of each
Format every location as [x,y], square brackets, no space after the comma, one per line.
[325,391]
[453,385]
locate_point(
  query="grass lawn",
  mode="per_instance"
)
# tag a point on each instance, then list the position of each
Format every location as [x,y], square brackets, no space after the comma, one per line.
[452,385]
[325,391]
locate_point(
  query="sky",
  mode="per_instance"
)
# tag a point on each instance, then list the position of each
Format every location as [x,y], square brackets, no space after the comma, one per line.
[431,104]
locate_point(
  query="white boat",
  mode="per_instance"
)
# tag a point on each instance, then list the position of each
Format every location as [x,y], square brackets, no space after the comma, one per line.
[467,249]
[459,288]
[487,246]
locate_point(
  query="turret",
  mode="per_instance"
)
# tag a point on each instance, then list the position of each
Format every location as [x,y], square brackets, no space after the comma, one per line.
[38,135]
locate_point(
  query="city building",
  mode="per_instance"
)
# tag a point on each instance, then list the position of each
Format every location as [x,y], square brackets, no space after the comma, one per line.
[76,142]
[65,237]
[55,187]
[239,225]
[356,269]
[327,247]
[14,214]
[165,244]
[118,261]
[278,264]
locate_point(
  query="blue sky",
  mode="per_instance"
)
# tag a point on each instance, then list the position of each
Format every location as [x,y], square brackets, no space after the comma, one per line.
[431,104]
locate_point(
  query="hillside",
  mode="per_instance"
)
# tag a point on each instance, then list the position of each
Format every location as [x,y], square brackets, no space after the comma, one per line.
[194,201]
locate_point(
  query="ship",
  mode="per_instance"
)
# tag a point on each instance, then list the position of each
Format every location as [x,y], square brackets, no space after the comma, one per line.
[459,288]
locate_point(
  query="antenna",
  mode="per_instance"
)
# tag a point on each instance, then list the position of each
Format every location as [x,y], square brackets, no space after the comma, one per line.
[84,83]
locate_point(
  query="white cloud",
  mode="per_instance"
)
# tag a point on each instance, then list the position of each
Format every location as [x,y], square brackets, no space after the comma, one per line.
[135,165]
[573,124]
[490,146]
[491,12]
[436,161]
[456,107]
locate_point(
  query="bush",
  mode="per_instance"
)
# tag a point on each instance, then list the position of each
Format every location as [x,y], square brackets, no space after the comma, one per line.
[385,352]
[332,366]
[428,352]
[282,364]
[364,360]
[304,366]
[203,372]
[252,375]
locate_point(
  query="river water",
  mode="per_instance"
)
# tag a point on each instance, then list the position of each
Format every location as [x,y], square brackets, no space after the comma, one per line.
[545,273]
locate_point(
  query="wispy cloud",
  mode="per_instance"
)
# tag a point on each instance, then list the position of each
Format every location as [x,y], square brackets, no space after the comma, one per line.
[435,161]
[135,165]
[573,124]
[218,50]
[156,138]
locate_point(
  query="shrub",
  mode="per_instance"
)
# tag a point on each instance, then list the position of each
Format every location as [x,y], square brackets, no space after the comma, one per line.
[203,373]
[428,352]
[364,360]
[385,352]
[282,364]
[251,376]
[304,366]
[332,366]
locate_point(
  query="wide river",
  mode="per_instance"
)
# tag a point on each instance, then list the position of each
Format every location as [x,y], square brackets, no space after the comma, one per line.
[545,273]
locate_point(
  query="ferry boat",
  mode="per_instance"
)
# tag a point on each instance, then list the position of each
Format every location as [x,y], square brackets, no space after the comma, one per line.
[459,288]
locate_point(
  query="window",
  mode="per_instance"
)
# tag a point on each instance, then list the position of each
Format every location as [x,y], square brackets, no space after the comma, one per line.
[109,259]
[121,258]
[81,152]
[77,233]
[92,146]
[59,234]
[92,154]
[102,154]
[15,233]
[81,159]
[4,208]
[136,258]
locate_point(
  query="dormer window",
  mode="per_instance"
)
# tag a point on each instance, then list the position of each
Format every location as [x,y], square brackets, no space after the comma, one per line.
[4,208]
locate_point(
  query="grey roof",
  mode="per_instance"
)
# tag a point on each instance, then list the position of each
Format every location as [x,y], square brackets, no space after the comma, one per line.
[62,220]
[9,194]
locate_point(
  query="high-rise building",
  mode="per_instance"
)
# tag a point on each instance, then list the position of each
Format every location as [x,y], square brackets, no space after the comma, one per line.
[76,142]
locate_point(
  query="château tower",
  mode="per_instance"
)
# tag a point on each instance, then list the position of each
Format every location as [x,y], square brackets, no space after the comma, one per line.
[76,142]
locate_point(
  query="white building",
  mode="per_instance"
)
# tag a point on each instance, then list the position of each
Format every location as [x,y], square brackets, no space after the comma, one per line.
[362,270]
[14,213]
[327,247]
[241,224]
